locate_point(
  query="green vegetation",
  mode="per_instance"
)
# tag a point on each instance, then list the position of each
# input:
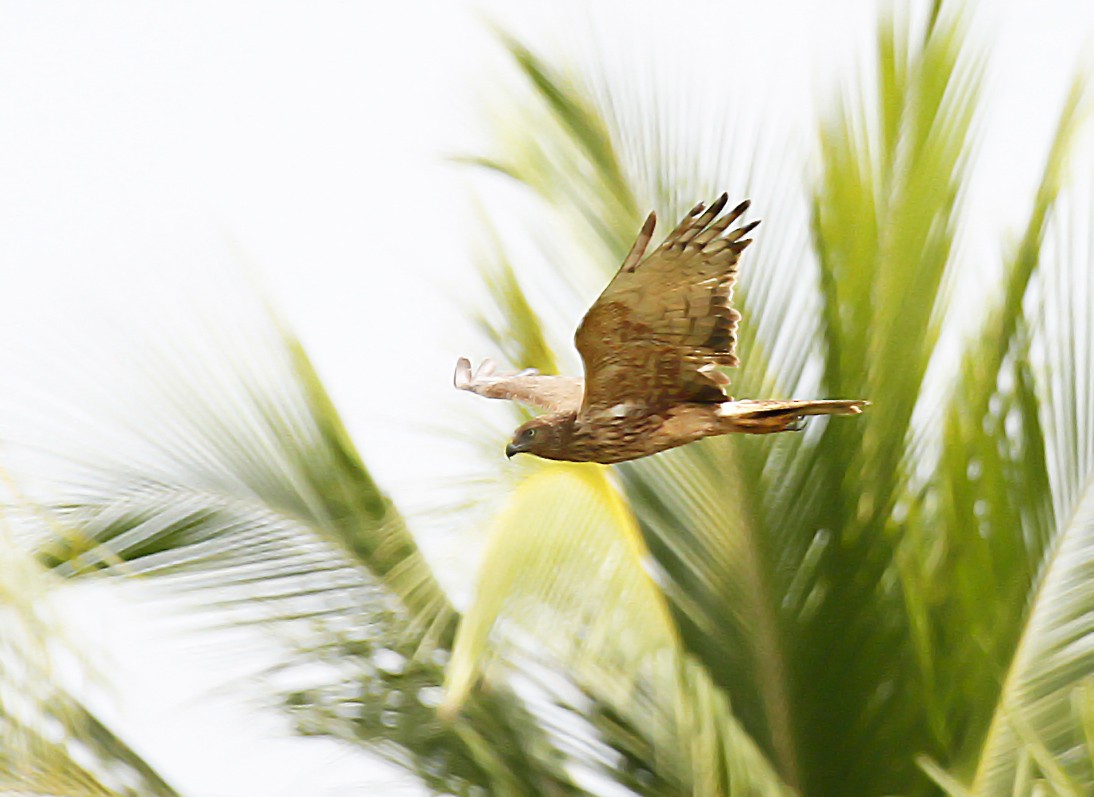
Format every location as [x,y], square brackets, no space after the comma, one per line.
[901,604]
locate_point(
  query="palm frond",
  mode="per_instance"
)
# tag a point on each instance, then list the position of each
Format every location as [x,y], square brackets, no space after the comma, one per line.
[240,488]
[258,452]
[599,204]
[50,743]
[566,546]
[1051,664]
[1035,713]
[968,586]
[515,327]
[885,223]
[565,554]
[706,532]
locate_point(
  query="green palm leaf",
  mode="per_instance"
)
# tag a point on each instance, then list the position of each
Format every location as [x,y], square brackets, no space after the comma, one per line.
[255,501]
[1038,714]
[50,743]
[1050,666]
[992,495]
[565,554]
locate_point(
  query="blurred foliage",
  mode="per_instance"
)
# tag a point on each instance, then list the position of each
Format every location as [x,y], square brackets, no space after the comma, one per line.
[902,604]
[50,743]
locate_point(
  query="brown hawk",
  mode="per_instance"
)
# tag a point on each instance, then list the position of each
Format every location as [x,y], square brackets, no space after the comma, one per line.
[651,345]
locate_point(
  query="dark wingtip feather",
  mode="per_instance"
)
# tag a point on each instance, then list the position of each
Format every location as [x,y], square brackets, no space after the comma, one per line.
[630,263]
[718,204]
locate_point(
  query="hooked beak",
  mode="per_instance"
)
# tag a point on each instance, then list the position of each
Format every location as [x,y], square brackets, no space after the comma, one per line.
[511,449]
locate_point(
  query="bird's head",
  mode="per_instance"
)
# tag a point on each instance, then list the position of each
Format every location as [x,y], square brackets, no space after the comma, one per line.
[541,436]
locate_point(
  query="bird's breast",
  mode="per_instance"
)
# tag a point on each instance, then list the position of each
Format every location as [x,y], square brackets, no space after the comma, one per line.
[610,438]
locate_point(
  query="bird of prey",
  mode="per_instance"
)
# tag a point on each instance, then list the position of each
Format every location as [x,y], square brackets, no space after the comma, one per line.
[651,345]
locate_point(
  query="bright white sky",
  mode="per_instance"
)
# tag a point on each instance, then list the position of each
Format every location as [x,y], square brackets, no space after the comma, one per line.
[137,139]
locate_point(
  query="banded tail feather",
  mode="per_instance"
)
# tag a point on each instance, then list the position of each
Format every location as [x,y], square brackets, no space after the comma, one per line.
[766,417]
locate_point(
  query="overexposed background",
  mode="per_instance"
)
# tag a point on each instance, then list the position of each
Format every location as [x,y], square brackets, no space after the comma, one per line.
[145,148]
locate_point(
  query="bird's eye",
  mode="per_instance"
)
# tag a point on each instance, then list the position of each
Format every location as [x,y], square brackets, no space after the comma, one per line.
[529,432]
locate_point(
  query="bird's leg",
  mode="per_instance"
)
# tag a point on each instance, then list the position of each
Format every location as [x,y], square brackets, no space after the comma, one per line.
[796,425]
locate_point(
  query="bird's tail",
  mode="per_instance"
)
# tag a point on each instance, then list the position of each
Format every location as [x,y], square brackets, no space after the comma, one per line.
[766,417]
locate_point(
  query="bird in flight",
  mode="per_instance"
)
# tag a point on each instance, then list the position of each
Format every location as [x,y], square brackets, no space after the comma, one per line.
[651,345]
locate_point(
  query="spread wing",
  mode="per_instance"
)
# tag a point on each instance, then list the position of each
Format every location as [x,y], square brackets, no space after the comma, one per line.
[655,335]
[552,393]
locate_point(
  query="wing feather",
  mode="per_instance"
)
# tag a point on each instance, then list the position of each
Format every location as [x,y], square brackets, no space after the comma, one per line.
[640,243]
[662,325]
[551,393]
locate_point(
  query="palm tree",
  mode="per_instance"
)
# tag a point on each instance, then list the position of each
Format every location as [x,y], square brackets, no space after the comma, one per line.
[898,605]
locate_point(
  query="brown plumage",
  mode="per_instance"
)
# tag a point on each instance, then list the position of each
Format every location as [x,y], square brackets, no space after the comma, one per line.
[650,345]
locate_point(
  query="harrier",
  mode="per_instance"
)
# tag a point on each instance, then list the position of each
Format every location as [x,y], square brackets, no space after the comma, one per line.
[651,345]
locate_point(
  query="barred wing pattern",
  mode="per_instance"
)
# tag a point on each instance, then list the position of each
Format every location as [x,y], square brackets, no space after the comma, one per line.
[664,323]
